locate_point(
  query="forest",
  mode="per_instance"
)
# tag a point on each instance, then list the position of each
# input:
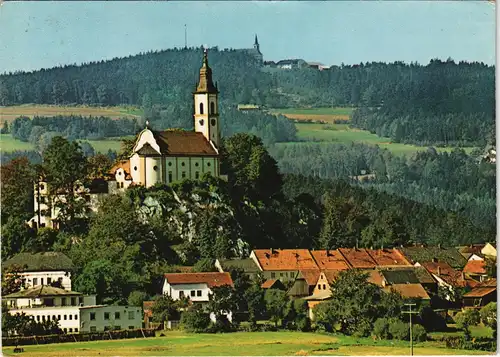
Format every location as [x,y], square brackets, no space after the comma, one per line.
[398,100]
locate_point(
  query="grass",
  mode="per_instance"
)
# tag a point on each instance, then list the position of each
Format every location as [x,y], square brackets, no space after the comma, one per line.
[476,331]
[7,144]
[328,115]
[341,133]
[287,343]
[31,110]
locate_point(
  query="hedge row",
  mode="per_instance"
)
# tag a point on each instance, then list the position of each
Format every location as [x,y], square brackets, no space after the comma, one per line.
[77,337]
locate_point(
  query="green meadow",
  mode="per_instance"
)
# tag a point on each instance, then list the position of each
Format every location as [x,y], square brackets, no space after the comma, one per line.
[285,343]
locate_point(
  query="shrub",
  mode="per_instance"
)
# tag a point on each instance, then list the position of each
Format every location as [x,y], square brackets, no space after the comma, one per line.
[381,329]
[221,324]
[363,328]
[195,320]
[419,333]
[431,320]
[304,324]
[399,330]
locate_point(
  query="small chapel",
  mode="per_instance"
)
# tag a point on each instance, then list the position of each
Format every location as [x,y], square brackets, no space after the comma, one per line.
[173,155]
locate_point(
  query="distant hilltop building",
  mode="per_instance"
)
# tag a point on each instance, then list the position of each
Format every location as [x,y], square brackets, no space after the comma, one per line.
[296,63]
[255,51]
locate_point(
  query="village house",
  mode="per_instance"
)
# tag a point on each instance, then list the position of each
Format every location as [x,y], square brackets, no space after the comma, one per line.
[195,286]
[247,265]
[358,258]
[74,311]
[424,254]
[283,264]
[41,269]
[481,295]
[476,270]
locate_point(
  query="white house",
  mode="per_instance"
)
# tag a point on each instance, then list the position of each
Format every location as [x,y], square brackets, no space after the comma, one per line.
[73,311]
[41,269]
[195,286]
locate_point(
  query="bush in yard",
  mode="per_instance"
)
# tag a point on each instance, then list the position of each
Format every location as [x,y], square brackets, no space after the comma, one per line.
[195,319]
[489,317]
[431,320]
[222,324]
[467,318]
[399,330]
[381,329]
[419,333]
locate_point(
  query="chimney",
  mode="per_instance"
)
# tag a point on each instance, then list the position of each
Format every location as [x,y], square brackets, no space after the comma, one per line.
[439,271]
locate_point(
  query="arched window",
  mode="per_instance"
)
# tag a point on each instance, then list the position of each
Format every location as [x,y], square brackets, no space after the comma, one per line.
[201,108]
[212,108]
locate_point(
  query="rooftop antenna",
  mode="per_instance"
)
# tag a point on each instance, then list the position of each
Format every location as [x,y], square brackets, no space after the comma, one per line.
[185,37]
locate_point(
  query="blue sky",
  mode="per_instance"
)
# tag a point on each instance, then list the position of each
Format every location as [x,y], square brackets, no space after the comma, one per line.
[45,34]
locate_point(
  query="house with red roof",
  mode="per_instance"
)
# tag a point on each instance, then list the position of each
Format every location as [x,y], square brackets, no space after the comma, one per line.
[388,257]
[283,264]
[358,258]
[481,295]
[329,260]
[476,270]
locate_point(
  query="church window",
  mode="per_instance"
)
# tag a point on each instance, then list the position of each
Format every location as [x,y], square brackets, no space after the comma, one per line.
[169,164]
[196,164]
[201,108]
[183,164]
[201,122]
[208,164]
[155,168]
[170,176]
[183,174]
[213,122]
[135,168]
[42,186]
[119,173]
[212,108]
[197,175]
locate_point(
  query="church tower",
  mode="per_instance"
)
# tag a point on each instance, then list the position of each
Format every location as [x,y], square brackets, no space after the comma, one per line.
[256,44]
[206,105]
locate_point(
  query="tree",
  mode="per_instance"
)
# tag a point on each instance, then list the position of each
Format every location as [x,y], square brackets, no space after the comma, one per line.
[98,166]
[195,319]
[276,301]
[251,170]
[65,169]
[222,301]
[165,309]
[488,315]
[11,280]
[467,318]
[136,298]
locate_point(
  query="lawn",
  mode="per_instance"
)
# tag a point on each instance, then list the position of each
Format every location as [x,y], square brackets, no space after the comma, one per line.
[30,110]
[7,143]
[328,115]
[177,343]
[341,133]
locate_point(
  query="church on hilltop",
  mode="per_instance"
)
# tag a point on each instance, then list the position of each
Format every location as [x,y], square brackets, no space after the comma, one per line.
[255,51]
[173,155]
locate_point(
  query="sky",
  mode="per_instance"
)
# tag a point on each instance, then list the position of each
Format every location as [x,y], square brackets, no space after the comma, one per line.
[44,34]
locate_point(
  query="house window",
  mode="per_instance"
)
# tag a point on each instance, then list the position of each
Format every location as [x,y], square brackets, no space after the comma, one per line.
[49,281]
[281,275]
[80,300]
[117,315]
[42,186]
[197,175]
[131,327]
[41,281]
[48,302]
[118,328]
[93,329]
[59,280]
[76,317]
[71,317]
[170,176]
[193,292]
[70,329]
[131,315]
[212,107]
[38,318]
[273,275]
[65,330]
[73,301]
[92,316]
[201,108]
[76,330]
[58,317]
[106,316]
[65,317]
[107,328]
[181,294]
[319,286]
[198,293]
[54,317]
[35,281]
[63,301]
[324,286]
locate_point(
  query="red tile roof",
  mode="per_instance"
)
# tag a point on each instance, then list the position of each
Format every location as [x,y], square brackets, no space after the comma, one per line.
[211,279]
[125,165]
[268,284]
[311,276]
[287,259]
[485,288]
[388,257]
[183,143]
[446,273]
[358,258]
[409,290]
[475,267]
[329,260]
[331,275]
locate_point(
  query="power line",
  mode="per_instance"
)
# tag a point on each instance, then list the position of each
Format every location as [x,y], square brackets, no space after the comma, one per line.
[410,312]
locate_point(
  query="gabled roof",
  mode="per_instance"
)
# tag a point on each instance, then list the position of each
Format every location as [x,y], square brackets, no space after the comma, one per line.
[388,257]
[358,258]
[211,279]
[445,272]
[42,291]
[472,249]
[423,275]
[331,275]
[475,267]
[311,276]
[287,259]
[147,150]
[272,284]
[400,276]
[329,260]
[248,265]
[46,261]
[409,290]
[421,255]
[183,143]
[485,288]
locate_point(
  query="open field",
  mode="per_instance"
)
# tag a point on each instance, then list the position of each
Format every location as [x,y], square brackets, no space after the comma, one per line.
[7,143]
[179,343]
[12,112]
[328,115]
[341,133]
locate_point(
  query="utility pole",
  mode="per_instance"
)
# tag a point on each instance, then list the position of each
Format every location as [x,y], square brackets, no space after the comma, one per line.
[410,312]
